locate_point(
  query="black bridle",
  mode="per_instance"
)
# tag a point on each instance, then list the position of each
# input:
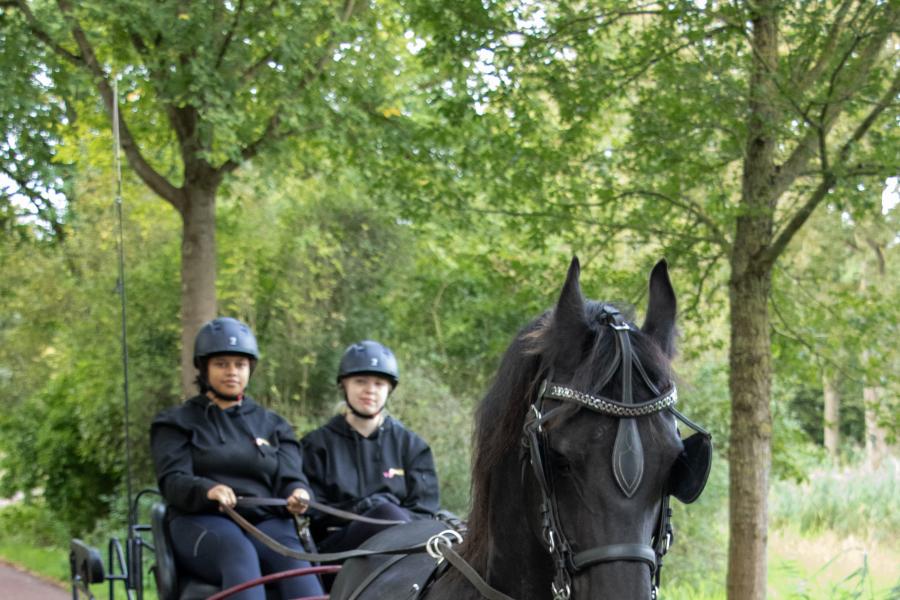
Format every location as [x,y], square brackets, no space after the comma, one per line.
[627,463]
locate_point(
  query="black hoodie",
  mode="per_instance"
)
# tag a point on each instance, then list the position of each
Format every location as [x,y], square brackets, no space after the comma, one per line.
[351,472]
[197,445]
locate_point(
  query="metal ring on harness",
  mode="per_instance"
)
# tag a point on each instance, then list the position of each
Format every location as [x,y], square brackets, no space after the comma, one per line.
[446,538]
[562,594]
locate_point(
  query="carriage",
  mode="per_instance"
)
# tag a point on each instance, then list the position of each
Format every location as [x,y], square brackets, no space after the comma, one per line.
[577,453]
[149,541]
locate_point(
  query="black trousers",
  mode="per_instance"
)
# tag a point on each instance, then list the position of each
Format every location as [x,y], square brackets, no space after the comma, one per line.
[214,549]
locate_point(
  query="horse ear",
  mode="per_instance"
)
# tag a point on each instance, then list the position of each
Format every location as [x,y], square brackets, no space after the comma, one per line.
[568,317]
[661,308]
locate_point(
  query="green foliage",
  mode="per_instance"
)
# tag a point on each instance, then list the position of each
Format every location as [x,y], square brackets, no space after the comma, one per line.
[33,115]
[32,522]
[426,404]
[836,314]
[63,432]
[313,284]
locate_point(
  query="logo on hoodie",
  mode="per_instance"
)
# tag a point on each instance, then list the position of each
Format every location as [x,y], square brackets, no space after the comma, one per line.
[393,472]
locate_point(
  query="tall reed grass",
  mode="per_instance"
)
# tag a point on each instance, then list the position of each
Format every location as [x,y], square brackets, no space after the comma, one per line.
[856,500]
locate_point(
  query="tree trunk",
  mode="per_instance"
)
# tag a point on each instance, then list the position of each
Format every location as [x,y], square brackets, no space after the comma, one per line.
[876,436]
[751,433]
[750,354]
[198,273]
[832,418]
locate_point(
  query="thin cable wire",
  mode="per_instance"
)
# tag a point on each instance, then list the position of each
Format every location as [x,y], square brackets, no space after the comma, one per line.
[120,243]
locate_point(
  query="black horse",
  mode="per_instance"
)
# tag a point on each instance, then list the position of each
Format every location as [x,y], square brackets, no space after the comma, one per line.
[576,454]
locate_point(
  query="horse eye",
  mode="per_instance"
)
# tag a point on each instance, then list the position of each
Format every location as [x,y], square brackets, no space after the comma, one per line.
[559,461]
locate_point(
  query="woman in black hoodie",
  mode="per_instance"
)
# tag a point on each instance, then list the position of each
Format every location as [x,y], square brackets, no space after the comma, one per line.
[221,445]
[365,461]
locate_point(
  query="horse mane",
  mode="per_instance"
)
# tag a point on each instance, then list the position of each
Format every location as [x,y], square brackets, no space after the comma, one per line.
[500,416]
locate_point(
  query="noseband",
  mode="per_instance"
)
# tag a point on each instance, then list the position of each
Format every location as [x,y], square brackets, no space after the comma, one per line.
[628,462]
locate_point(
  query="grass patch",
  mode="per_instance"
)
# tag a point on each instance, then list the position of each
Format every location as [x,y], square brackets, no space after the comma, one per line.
[830,566]
[835,535]
[49,563]
[32,539]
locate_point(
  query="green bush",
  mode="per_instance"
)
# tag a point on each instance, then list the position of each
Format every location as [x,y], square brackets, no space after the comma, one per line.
[426,405]
[32,522]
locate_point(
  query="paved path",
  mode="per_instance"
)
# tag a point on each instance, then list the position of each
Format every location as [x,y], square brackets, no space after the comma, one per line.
[19,585]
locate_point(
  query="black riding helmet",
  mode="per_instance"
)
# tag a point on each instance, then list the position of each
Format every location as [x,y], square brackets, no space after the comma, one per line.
[223,335]
[369,357]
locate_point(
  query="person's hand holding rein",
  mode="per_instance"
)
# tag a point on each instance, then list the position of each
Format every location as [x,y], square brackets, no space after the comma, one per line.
[222,494]
[298,501]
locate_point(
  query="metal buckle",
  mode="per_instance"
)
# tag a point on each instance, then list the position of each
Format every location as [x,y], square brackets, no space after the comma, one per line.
[446,538]
[537,418]
[561,594]
[550,538]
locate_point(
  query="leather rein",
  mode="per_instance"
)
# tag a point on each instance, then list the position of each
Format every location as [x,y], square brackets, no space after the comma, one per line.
[336,512]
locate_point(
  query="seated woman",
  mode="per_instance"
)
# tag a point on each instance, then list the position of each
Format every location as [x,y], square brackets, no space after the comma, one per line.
[364,461]
[221,445]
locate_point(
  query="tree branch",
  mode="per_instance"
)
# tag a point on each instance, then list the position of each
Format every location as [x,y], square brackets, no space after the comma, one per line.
[36,198]
[269,135]
[271,132]
[829,178]
[43,36]
[798,338]
[705,275]
[841,89]
[687,205]
[826,55]
[156,182]
[230,34]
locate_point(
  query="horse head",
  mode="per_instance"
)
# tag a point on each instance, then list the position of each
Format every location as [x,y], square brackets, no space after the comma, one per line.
[577,452]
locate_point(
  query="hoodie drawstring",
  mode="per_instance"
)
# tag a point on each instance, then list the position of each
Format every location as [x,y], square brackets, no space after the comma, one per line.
[215,422]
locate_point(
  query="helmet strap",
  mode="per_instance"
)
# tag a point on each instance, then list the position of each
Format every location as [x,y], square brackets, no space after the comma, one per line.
[361,415]
[226,397]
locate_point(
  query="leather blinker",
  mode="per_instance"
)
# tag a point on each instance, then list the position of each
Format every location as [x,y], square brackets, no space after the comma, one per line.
[691,469]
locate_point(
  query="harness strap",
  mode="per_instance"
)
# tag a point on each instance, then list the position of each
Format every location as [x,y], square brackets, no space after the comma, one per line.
[677,414]
[615,552]
[472,575]
[374,575]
